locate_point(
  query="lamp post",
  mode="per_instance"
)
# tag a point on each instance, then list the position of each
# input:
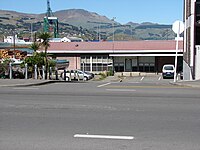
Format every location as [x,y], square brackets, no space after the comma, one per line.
[31,28]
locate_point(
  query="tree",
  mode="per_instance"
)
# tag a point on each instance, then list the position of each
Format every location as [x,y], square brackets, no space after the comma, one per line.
[36,59]
[35,46]
[4,67]
[44,37]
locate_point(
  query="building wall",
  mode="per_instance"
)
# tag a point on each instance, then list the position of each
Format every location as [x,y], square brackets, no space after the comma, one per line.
[189,39]
[96,63]
[145,63]
[74,60]
[103,62]
[197,66]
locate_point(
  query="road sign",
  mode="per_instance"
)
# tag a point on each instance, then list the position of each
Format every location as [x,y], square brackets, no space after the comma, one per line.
[178,27]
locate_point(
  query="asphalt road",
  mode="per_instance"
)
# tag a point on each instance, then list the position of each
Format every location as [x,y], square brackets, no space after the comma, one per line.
[126,115]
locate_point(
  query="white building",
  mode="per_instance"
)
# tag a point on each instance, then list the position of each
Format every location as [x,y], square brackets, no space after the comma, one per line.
[15,39]
[71,39]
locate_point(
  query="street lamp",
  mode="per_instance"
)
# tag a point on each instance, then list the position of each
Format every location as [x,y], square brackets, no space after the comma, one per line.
[31,28]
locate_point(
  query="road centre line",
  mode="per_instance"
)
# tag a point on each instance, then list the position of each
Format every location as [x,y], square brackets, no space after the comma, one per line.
[103,84]
[104,137]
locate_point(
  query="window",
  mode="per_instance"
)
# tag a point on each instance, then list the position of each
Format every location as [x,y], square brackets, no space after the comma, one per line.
[99,63]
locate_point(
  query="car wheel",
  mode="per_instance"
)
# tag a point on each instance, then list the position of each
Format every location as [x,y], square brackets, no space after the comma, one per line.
[85,78]
[67,79]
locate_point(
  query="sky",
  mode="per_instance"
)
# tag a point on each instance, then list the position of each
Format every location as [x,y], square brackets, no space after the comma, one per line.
[137,11]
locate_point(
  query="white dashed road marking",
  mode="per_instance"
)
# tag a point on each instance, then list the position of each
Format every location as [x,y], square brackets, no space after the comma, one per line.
[104,137]
[103,85]
[159,78]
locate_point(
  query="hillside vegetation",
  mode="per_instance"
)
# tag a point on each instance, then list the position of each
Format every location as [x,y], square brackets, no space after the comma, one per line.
[82,23]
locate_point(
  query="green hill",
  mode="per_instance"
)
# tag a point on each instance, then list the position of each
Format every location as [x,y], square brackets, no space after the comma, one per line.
[82,23]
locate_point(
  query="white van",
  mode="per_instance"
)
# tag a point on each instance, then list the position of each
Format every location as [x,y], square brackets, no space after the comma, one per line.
[168,71]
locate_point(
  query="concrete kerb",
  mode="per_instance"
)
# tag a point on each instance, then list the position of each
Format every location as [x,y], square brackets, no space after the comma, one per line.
[37,83]
[27,84]
[184,83]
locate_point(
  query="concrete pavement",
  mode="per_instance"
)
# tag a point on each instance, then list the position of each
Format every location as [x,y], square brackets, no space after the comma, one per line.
[23,82]
[192,83]
[33,82]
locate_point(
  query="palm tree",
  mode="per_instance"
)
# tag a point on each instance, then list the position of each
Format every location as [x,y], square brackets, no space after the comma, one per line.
[35,46]
[45,43]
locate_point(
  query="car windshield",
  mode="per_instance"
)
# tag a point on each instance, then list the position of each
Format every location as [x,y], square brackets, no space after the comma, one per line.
[169,68]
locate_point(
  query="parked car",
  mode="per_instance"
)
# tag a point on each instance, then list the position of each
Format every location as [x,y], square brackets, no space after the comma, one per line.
[75,75]
[90,74]
[83,75]
[168,71]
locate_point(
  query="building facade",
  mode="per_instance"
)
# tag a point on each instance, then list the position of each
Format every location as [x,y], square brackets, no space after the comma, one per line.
[191,52]
[118,56]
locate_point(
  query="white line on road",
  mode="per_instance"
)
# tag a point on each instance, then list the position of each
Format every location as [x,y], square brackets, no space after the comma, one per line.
[159,78]
[141,78]
[103,85]
[121,90]
[134,82]
[104,137]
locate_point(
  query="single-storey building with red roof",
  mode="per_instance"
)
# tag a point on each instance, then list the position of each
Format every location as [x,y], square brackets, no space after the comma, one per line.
[120,56]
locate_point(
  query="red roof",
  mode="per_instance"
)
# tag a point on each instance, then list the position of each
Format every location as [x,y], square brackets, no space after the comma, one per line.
[117,45]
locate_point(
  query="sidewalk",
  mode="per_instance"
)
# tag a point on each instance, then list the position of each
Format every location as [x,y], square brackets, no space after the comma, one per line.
[23,82]
[33,82]
[189,83]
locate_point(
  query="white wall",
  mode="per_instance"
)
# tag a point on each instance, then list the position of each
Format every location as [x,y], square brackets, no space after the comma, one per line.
[197,63]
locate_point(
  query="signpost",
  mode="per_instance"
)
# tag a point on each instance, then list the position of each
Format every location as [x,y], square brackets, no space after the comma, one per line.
[178,28]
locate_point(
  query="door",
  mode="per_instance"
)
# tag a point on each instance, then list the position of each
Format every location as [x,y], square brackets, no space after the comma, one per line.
[128,65]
